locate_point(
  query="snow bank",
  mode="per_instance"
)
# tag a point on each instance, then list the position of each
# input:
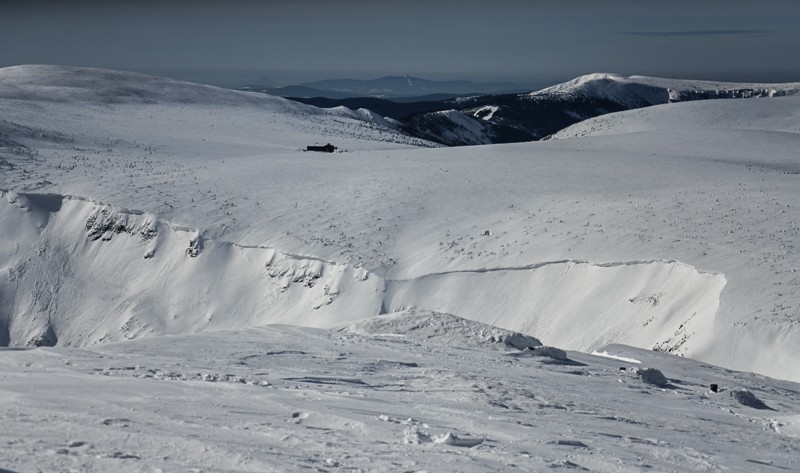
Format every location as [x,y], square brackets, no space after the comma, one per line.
[576,305]
[552,353]
[80,272]
[606,354]
[441,328]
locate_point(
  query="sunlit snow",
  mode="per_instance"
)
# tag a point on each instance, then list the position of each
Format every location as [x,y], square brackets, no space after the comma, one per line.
[185,288]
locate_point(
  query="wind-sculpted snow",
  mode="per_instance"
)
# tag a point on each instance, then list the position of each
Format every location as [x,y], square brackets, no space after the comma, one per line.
[80,273]
[714,193]
[439,327]
[289,399]
[453,282]
[91,273]
[664,305]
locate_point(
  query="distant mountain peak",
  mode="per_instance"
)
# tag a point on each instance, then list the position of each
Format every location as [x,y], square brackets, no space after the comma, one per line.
[637,91]
[406,85]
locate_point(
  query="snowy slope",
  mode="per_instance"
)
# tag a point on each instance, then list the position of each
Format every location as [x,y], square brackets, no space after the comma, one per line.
[781,114]
[679,240]
[638,91]
[400,397]
[176,111]
[78,84]
[81,273]
[155,231]
[533,116]
[508,118]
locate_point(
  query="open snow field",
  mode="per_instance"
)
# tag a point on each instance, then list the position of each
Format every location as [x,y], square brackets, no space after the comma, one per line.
[134,207]
[393,396]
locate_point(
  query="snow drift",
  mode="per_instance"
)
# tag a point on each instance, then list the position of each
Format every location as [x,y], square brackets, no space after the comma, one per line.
[81,272]
[77,273]
[576,305]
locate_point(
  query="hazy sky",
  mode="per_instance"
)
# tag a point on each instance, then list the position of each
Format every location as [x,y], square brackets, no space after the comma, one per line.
[233,42]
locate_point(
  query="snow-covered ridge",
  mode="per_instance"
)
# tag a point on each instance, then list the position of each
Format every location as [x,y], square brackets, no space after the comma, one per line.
[777,115]
[64,83]
[637,91]
[578,305]
[366,115]
[78,85]
[536,115]
[463,128]
[121,103]
[81,272]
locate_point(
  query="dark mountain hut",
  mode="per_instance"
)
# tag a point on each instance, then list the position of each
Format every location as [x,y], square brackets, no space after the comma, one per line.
[328,148]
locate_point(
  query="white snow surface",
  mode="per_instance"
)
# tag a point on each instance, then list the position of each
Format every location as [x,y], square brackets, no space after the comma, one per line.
[486,113]
[285,398]
[152,234]
[693,232]
[778,114]
[656,90]
[367,116]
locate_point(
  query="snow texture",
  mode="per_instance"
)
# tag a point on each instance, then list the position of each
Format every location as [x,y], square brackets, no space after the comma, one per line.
[637,91]
[284,398]
[183,288]
[652,376]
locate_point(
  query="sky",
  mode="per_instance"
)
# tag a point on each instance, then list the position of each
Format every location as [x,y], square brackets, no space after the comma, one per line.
[239,42]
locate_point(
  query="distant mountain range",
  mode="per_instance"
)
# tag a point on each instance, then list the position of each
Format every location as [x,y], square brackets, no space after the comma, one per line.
[439,111]
[389,87]
[536,115]
[506,118]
